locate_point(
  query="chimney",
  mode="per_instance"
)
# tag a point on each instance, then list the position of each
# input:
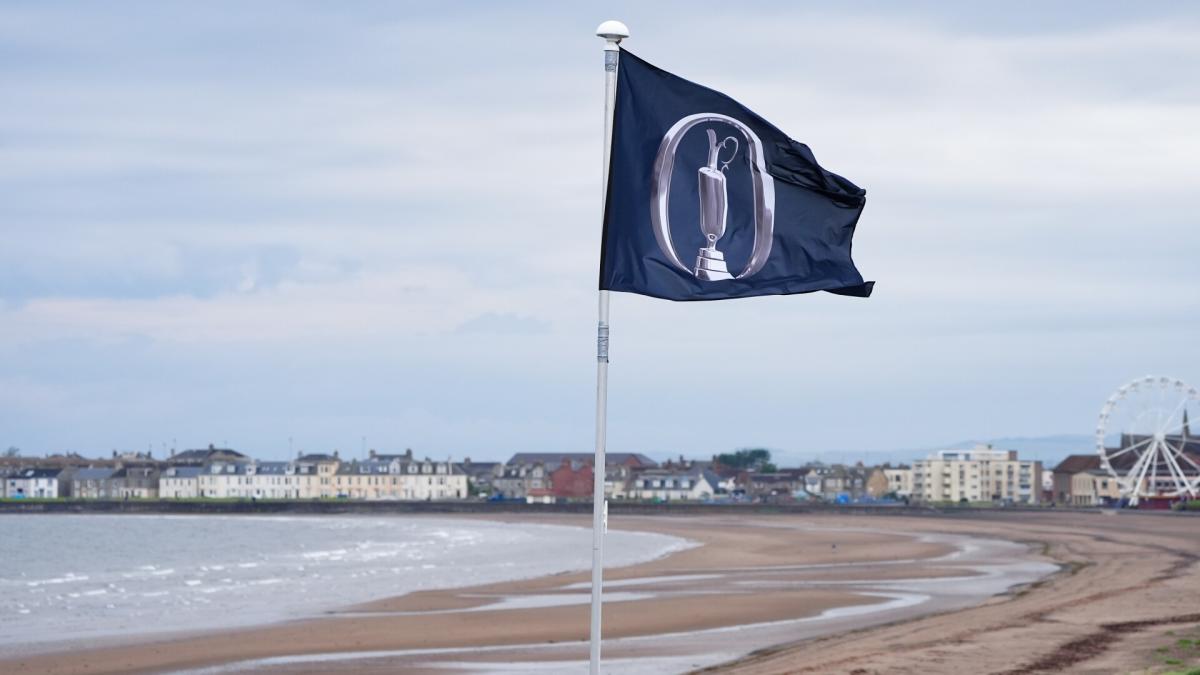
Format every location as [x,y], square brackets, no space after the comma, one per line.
[371,453]
[408,454]
[335,454]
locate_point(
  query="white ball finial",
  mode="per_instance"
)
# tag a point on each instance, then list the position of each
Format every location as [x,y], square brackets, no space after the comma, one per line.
[613,31]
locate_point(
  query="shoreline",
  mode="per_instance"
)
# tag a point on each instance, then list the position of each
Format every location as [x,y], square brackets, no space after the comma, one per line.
[199,590]
[1125,581]
[766,575]
[764,595]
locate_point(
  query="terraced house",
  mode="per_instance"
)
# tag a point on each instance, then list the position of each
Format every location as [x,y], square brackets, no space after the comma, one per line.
[315,474]
[180,482]
[400,477]
[224,480]
[92,483]
[135,482]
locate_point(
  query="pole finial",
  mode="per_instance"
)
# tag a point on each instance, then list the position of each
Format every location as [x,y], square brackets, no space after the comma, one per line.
[613,31]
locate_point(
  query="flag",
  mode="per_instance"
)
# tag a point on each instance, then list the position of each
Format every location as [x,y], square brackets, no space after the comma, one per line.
[708,201]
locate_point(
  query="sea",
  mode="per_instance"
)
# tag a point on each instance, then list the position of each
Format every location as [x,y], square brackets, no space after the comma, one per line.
[82,579]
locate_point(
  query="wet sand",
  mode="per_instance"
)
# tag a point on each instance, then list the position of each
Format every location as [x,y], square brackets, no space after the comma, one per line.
[761,594]
[1130,582]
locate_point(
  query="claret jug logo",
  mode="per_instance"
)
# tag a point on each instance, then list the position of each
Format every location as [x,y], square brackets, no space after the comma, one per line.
[714,196]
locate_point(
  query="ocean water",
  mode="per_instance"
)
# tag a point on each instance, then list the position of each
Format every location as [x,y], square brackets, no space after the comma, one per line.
[84,577]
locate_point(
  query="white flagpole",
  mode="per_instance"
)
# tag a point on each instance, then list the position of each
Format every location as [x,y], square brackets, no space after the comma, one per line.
[612,32]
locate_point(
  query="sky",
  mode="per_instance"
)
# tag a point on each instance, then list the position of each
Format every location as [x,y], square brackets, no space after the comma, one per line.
[284,226]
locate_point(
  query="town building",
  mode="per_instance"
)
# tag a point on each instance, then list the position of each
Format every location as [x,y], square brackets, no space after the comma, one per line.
[633,460]
[572,481]
[528,474]
[92,483]
[838,483]
[33,484]
[272,480]
[479,475]
[5,473]
[400,477]
[878,486]
[977,475]
[676,484]
[900,480]
[518,481]
[224,480]
[306,477]
[207,455]
[180,482]
[1079,480]
[785,484]
[315,474]
[616,481]
[135,482]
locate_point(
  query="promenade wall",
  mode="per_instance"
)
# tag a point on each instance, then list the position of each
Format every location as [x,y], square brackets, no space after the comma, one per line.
[338,506]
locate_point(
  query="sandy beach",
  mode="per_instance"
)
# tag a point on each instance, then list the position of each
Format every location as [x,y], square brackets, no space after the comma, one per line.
[984,592]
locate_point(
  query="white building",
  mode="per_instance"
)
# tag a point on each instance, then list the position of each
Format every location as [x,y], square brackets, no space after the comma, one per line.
[400,477]
[32,484]
[306,477]
[272,480]
[977,475]
[180,482]
[224,480]
[693,484]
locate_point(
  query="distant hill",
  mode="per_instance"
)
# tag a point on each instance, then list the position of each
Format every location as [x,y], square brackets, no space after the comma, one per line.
[1049,449]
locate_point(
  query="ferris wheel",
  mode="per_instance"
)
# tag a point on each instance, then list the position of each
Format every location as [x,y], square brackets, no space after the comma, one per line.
[1145,440]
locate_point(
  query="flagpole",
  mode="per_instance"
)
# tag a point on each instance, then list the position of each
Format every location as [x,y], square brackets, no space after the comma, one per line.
[612,32]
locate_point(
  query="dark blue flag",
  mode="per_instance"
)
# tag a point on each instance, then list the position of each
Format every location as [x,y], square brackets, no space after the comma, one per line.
[709,201]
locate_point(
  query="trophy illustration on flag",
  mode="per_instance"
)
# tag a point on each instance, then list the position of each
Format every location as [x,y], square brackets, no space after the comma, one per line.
[714,199]
[713,191]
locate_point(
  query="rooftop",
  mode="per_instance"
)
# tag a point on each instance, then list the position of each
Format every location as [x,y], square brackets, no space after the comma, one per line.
[556,458]
[1078,464]
[91,473]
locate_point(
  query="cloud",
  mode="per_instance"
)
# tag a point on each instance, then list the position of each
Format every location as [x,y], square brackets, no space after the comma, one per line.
[507,324]
[312,218]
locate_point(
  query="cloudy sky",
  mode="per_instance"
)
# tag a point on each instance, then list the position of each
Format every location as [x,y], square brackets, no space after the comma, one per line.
[247,222]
